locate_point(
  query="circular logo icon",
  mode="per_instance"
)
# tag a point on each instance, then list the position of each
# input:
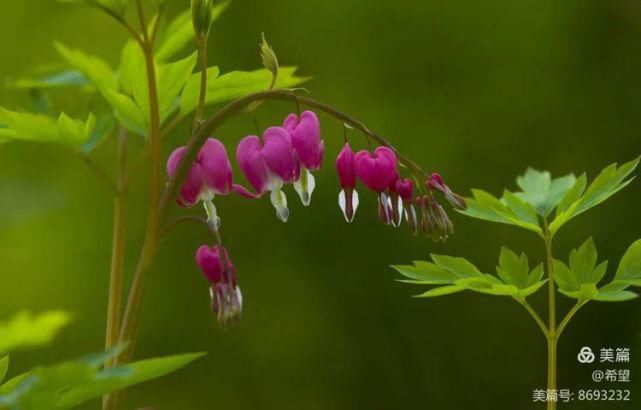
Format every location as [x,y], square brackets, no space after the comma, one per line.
[586,355]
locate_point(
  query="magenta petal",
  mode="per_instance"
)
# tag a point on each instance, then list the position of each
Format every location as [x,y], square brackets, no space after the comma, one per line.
[192,186]
[279,155]
[345,166]
[405,189]
[377,170]
[306,138]
[174,161]
[252,163]
[208,259]
[216,167]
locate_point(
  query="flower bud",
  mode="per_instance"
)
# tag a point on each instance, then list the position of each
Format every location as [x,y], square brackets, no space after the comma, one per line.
[202,12]
[267,55]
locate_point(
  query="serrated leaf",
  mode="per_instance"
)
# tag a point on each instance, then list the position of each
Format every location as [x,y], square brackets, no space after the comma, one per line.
[583,260]
[487,207]
[564,278]
[440,291]
[630,266]
[104,126]
[459,267]
[43,128]
[536,275]
[610,181]
[524,211]
[540,191]
[4,367]
[573,194]
[513,269]
[26,330]
[121,377]
[237,84]
[94,68]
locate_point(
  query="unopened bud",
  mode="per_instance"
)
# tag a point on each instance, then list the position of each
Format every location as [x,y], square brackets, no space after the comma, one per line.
[270,61]
[202,12]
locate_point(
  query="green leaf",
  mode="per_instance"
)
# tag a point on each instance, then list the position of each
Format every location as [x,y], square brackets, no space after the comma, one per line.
[116,379]
[523,211]
[96,69]
[629,269]
[487,207]
[172,80]
[26,330]
[573,194]
[619,296]
[512,269]
[126,111]
[586,292]
[237,84]
[132,66]
[58,78]
[440,291]
[610,181]
[583,260]
[42,128]
[564,278]
[104,126]
[425,273]
[459,267]
[180,33]
[4,367]
[543,193]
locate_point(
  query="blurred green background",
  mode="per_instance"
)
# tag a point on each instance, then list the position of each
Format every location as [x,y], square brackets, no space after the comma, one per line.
[476,90]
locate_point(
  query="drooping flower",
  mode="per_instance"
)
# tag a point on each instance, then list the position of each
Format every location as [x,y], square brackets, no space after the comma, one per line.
[268,165]
[405,190]
[306,139]
[209,175]
[346,169]
[226,297]
[378,171]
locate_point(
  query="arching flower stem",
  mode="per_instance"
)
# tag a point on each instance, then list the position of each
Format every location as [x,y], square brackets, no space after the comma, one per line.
[209,127]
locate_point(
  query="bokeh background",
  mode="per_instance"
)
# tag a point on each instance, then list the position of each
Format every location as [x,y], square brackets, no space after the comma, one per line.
[476,90]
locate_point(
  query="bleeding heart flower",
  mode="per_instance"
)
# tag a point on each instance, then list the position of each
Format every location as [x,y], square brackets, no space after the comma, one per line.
[405,189]
[226,297]
[378,171]
[210,174]
[268,165]
[346,168]
[306,139]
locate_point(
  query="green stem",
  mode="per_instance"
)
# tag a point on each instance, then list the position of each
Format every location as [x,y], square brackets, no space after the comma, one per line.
[552,330]
[132,311]
[579,304]
[535,316]
[117,249]
[202,58]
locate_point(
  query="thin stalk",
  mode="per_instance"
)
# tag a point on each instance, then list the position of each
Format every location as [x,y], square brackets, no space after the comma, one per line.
[202,59]
[568,317]
[117,250]
[535,316]
[552,332]
[132,314]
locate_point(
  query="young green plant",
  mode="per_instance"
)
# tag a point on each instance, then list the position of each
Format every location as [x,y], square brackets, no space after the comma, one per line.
[543,206]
